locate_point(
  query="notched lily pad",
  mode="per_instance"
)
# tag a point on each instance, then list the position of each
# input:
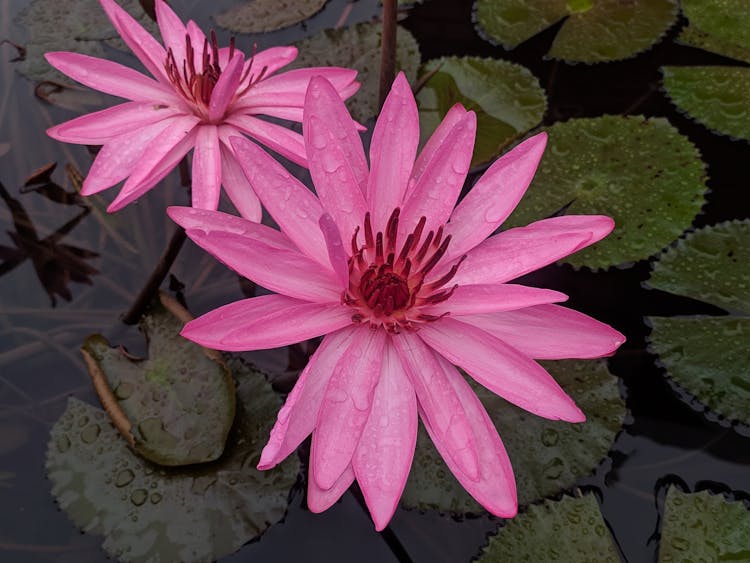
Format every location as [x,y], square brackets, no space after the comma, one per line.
[708,356]
[506,97]
[548,456]
[720,26]
[641,172]
[571,529]
[593,31]
[258,16]
[177,406]
[358,47]
[153,514]
[703,527]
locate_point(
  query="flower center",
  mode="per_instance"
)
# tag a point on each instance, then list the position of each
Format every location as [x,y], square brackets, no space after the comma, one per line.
[387,284]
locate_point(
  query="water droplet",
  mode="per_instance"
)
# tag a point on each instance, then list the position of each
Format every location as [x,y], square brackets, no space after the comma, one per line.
[124,390]
[124,477]
[155,498]
[550,437]
[90,433]
[138,497]
[83,421]
[62,443]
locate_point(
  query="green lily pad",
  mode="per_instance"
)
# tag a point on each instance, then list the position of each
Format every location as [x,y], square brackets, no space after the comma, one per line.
[79,26]
[720,26]
[708,356]
[358,47]
[571,529]
[703,527]
[716,96]
[177,406]
[259,16]
[594,31]
[151,514]
[639,171]
[506,97]
[548,456]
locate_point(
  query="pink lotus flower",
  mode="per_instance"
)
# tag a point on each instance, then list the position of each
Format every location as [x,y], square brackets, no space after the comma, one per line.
[201,96]
[404,287]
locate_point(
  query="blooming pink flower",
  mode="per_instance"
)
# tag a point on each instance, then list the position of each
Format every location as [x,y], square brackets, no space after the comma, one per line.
[201,96]
[404,287]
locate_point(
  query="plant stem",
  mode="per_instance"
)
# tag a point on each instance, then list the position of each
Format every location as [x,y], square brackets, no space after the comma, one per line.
[387,534]
[387,50]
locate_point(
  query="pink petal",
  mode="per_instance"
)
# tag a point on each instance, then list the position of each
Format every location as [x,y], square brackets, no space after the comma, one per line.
[492,298]
[297,418]
[336,252]
[237,187]
[288,88]
[225,88]
[290,114]
[495,489]
[102,126]
[283,140]
[438,187]
[550,332]
[269,61]
[439,402]
[294,208]
[265,322]
[144,46]
[386,448]
[516,252]
[110,78]
[346,406]
[495,195]
[392,150]
[172,30]
[206,168]
[500,368]
[426,156]
[320,500]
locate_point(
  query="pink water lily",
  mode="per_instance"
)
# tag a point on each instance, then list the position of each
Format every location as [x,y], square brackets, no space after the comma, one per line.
[405,285]
[200,96]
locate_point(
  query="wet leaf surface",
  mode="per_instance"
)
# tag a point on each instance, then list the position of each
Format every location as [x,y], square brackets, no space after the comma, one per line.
[506,97]
[720,26]
[547,456]
[641,172]
[257,16]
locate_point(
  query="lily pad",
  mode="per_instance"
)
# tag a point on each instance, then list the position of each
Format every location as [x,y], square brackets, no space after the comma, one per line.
[594,31]
[80,26]
[151,514]
[548,456]
[571,529]
[358,47]
[639,171]
[716,96]
[703,527]
[506,97]
[259,16]
[708,356]
[177,406]
[720,26]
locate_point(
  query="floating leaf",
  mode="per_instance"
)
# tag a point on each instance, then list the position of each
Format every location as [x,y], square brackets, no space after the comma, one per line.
[720,26]
[358,47]
[703,527]
[177,406]
[571,529]
[708,356]
[506,97]
[641,172]
[548,456]
[150,514]
[716,96]
[594,31]
[258,16]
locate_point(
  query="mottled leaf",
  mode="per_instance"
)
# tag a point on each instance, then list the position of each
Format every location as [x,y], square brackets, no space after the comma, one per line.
[258,16]
[641,172]
[151,514]
[506,97]
[548,456]
[569,530]
[720,26]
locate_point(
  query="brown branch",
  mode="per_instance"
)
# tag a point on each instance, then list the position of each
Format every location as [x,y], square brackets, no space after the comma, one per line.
[388,50]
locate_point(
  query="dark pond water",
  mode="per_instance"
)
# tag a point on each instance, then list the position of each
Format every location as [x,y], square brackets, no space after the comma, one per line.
[665,440]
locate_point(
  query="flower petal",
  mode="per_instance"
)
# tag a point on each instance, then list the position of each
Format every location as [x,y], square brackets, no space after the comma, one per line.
[495,489]
[335,249]
[172,30]
[236,185]
[386,448]
[225,88]
[283,140]
[319,500]
[491,298]
[206,168]
[500,368]
[296,419]
[265,322]
[439,402]
[426,156]
[268,61]
[550,332]
[99,127]
[495,195]
[392,151]
[288,88]
[110,78]
[294,208]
